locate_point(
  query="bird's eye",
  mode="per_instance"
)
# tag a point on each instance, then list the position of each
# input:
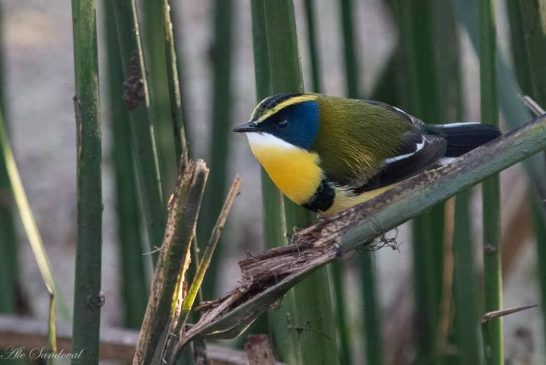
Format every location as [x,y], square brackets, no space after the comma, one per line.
[282,123]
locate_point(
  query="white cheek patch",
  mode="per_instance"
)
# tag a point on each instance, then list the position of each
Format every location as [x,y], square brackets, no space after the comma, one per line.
[266,140]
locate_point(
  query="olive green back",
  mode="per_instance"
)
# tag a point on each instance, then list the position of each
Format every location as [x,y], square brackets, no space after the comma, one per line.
[355,137]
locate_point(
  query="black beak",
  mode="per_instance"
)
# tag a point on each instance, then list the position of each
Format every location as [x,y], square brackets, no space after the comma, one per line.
[246,127]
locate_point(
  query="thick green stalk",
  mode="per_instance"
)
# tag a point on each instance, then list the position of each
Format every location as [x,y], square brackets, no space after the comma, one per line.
[492,330]
[312,43]
[518,46]
[417,30]
[465,292]
[274,220]
[177,37]
[9,267]
[174,85]
[155,52]
[220,132]
[372,310]
[527,19]
[539,220]
[386,88]
[310,321]
[466,302]
[170,276]
[88,298]
[136,99]
[132,245]
[371,314]
[533,23]
[336,270]
[349,50]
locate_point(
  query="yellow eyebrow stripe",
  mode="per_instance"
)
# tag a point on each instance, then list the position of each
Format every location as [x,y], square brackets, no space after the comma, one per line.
[282,105]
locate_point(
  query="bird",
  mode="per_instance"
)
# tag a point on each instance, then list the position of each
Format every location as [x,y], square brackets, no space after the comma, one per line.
[329,153]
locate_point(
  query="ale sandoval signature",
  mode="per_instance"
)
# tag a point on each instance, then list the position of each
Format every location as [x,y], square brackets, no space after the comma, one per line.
[15,353]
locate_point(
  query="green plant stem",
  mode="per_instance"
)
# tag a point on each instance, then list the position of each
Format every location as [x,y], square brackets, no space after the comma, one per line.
[177,38]
[492,330]
[465,291]
[372,312]
[349,49]
[9,267]
[173,261]
[336,272]
[193,293]
[386,88]
[539,220]
[312,43]
[155,47]
[132,245]
[221,135]
[143,138]
[88,298]
[33,235]
[175,90]
[417,30]
[274,219]
[311,321]
[518,46]
[533,13]
[528,37]
[527,28]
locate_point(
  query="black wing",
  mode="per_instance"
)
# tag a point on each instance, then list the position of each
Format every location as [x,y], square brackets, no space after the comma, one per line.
[418,153]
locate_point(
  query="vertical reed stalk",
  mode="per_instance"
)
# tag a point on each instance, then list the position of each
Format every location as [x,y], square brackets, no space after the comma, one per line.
[155,52]
[349,51]
[417,37]
[167,292]
[135,95]
[533,19]
[132,245]
[518,46]
[174,86]
[539,219]
[274,220]
[527,19]
[33,235]
[222,50]
[88,298]
[278,70]
[372,310]
[312,43]
[492,330]
[9,267]
[371,314]
[465,292]
[466,333]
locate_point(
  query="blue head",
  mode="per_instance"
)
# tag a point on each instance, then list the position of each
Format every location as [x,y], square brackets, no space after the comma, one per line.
[294,118]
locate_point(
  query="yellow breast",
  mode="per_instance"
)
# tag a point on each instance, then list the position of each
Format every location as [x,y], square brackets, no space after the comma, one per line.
[295,171]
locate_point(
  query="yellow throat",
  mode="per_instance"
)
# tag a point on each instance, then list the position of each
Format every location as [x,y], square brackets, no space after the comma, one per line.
[297,173]
[294,170]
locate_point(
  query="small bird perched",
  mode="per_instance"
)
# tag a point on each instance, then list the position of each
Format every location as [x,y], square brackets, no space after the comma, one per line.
[330,153]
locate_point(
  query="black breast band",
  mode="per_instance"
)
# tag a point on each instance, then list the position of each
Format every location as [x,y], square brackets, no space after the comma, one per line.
[323,198]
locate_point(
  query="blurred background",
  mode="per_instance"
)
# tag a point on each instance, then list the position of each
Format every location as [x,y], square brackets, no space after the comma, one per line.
[39,87]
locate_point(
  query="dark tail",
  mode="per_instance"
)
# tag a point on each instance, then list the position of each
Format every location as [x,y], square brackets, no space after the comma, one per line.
[463,137]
